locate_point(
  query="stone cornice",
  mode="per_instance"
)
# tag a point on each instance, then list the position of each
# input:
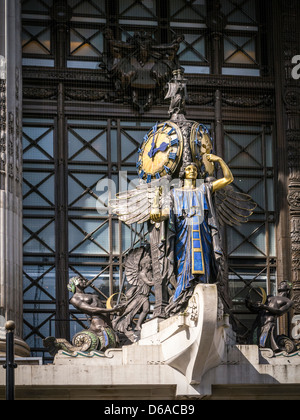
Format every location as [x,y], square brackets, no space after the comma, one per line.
[99,76]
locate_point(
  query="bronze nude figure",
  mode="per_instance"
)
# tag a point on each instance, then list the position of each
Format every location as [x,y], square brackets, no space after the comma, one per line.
[269,310]
[100,335]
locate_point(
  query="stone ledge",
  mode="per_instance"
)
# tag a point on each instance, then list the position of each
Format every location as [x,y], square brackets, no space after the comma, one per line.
[241,371]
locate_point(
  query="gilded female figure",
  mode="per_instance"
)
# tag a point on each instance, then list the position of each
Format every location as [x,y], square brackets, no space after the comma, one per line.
[193,230]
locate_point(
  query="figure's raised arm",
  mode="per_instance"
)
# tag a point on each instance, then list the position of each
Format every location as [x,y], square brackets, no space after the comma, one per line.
[228,177]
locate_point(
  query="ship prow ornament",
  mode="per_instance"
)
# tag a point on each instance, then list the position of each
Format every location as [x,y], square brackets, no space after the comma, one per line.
[177,92]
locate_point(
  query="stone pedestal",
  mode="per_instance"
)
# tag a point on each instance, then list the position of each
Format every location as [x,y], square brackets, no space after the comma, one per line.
[172,355]
[11,288]
[21,348]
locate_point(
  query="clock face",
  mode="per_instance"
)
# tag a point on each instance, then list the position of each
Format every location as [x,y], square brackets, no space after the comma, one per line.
[201,146]
[160,151]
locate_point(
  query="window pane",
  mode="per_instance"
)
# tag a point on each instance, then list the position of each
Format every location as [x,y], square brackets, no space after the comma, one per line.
[239,11]
[37,143]
[36,40]
[193,10]
[36,6]
[45,276]
[239,50]
[86,8]
[146,9]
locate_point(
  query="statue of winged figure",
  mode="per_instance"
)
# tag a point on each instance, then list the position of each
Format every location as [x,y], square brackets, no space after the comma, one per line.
[189,217]
[184,217]
[138,270]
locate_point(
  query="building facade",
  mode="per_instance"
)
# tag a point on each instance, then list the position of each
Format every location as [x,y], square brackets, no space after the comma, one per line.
[71,119]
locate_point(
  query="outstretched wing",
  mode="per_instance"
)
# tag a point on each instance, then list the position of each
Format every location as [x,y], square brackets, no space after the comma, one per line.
[232,207]
[134,206]
[132,265]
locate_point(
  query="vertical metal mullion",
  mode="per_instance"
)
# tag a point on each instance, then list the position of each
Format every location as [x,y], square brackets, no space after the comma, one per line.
[267,239]
[112,15]
[110,221]
[216,41]
[163,13]
[274,177]
[219,123]
[62,328]
[61,216]
[119,157]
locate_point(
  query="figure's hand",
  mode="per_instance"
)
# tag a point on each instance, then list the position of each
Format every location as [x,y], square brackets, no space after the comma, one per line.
[253,306]
[120,308]
[213,158]
[256,305]
[155,216]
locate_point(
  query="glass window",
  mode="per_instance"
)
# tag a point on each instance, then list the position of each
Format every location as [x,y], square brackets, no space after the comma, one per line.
[251,247]
[86,42]
[39,241]
[241,38]
[143,10]
[187,11]
[37,45]
[188,18]
[36,40]
[36,9]
[94,234]
[239,50]
[87,8]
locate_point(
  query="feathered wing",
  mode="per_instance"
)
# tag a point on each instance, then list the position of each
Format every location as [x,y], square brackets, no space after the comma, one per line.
[134,206]
[132,265]
[232,207]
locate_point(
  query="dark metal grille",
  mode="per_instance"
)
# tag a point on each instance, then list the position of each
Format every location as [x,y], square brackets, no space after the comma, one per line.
[39,229]
[251,248]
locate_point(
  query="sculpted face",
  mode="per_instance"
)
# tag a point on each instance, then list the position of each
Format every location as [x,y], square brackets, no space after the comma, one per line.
[191,172]
[146,264]
[74,282]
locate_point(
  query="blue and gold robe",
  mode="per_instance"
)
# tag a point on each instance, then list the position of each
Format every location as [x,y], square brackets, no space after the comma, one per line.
[196,240]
